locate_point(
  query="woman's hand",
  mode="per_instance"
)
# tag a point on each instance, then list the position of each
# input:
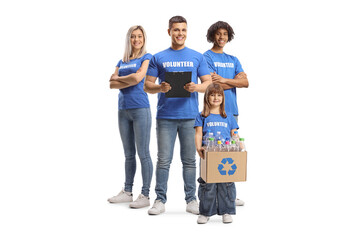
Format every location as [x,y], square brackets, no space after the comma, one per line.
[114,77]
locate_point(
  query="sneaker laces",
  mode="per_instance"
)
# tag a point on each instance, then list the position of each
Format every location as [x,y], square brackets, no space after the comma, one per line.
[141,196]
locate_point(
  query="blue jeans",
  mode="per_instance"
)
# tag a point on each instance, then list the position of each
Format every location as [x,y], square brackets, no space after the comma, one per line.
[134,126]
[216,198]
[167,130]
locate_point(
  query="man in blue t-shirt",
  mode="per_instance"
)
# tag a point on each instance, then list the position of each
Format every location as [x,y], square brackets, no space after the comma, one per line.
[176,116]
[225,69]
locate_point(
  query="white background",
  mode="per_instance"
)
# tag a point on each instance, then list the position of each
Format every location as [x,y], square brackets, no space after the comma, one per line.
[61,154]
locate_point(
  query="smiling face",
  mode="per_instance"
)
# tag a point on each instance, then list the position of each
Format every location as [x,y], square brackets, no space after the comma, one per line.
[178,35]
[221,37]
[137,40]
[215,99]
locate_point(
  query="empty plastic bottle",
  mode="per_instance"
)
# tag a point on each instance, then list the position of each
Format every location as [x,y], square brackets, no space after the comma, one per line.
[234,147]
[211,135]
[227,146]
[219,146]
[236,134]
[206,137]
[236,137]
[211,145]
[218,137]
[242,145]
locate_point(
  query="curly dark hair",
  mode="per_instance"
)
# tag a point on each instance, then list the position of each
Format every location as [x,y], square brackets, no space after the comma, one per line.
[216,26]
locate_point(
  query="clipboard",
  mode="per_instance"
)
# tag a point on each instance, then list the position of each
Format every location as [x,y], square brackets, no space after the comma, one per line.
[177,80]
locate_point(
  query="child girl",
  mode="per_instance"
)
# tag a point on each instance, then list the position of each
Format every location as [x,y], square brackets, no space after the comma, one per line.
[215,198]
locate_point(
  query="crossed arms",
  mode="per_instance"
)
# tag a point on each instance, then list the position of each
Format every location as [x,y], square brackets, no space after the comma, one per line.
[118,82]
[239,81]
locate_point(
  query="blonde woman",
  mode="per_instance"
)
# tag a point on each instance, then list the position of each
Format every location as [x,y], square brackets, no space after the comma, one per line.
[134,115]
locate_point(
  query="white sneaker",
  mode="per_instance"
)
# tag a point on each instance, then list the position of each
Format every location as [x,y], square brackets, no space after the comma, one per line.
[239,202]
[193,207]
[202,219]
[121,197]
[226,218]
[140,202]
[157,208]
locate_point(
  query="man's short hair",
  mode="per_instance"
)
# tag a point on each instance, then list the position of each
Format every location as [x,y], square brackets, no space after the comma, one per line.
[176,19]
[216,26]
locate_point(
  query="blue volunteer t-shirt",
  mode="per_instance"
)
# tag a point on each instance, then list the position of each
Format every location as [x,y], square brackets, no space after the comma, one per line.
[216,123]
[226,66]
[134,96]
[184,60]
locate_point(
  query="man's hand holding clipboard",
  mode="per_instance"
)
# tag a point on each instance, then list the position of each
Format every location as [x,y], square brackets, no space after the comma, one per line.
[190,87]
[179,83]
[165,87]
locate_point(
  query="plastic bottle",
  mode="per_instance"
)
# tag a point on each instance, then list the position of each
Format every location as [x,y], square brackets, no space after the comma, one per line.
[211,144]
[205,137]
[242,145]
[218,137]
[234,147]
[236,137]
[219,146]
[211,135]
[236,134]
[227,146]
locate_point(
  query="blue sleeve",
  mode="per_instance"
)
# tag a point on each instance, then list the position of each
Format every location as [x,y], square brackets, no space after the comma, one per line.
[238,67]
[233,123]
[199,121]
[203,67]
[118,65]
[153,69]
[210,63]
[147,56]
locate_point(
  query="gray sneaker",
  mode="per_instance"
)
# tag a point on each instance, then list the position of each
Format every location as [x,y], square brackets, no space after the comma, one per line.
[157,208]
[202,219]
[193,207]
[121,197]
[226,218]
[140,202]
[239,202]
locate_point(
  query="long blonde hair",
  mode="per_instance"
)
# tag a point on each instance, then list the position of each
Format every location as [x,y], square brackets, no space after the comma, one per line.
[213,88]
[128,48]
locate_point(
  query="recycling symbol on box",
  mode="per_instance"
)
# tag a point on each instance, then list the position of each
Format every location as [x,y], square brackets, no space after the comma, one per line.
[221,166]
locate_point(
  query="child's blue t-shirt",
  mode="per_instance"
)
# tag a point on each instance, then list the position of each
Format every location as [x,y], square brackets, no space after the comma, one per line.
[216,123]
[184,60]
[226,66]
[134,96]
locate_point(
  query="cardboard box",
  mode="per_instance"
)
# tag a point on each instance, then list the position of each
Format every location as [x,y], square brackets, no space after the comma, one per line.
[218,167]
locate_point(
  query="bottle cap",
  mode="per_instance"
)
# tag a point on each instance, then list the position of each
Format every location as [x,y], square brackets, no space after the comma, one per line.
[242,139]
[211,138]
[227,142]
[233,142]
[219,142]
